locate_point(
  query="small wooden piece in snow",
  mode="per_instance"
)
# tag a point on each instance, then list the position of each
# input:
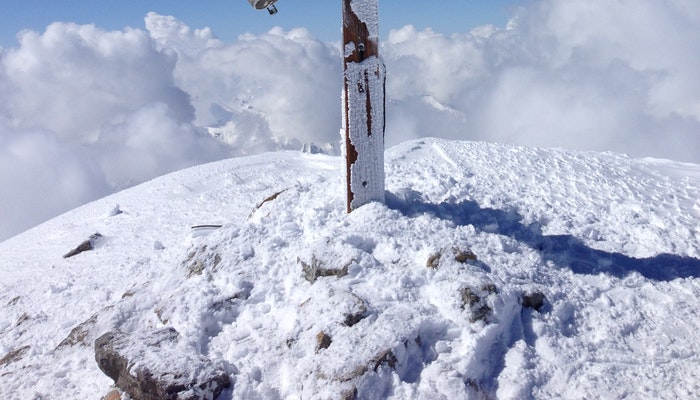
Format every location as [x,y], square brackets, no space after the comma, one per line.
[266,200]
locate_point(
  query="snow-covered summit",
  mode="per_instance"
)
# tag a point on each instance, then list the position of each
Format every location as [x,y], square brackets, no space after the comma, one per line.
[426,297]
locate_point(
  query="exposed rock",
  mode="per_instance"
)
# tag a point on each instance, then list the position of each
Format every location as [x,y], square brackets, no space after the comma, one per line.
[533,300]
[161,313]
[350,394]
[14,355]
[476,388]
[463,256]
[323,341]
[480,313]
[352,319]
[87,245]
[79,334]
[469,298]
[84,246]
[357,316]
[22,318]
[332,257]
[489,288]
[113,394]
[433,260]
[85,333]
[460,255]
[196,268]
[316,269]
[386,357]
[199,259]
[156,366]
[474,300]
[14,301]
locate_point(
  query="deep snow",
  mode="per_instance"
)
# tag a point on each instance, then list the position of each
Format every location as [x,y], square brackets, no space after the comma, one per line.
[612,242]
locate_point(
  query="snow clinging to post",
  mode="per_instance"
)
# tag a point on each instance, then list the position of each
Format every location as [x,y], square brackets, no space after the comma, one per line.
[367,12]
[365,120]
[363,103]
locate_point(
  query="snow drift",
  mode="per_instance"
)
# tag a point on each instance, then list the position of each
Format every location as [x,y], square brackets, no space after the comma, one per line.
[429,296]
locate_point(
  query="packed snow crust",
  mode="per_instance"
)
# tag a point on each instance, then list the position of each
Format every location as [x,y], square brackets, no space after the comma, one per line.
[612,242]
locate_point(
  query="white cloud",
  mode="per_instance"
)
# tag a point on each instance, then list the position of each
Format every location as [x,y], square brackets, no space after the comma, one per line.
[84,111]
[76,79]
[41,177]
[587,74]
[289,81]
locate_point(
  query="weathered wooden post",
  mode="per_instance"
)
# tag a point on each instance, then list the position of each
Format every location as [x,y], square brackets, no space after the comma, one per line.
[363,103]
[363,100]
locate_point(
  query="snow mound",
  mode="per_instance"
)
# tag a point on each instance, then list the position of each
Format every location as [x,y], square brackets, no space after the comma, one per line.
[420,298]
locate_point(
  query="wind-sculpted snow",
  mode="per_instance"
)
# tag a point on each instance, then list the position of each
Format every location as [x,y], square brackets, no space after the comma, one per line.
[420,298]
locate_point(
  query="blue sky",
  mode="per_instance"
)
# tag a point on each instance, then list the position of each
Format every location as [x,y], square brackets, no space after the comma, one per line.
[230,18]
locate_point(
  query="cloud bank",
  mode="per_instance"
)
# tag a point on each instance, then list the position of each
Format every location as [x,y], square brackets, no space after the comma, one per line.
[592,75]
[85,112]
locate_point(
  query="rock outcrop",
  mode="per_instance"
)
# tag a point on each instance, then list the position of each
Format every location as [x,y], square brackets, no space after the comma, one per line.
[156,366]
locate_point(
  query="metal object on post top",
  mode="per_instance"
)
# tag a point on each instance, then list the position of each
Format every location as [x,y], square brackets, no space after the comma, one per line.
[260,4]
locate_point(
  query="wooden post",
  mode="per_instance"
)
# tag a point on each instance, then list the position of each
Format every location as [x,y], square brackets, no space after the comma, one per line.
[363,103]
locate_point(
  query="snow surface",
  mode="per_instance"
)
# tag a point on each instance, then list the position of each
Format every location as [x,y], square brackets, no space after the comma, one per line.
[612,242]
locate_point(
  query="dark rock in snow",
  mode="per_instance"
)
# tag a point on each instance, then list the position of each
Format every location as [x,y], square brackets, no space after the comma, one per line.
[200,259]
[14,355]
[433,260]
[156,366]
[316,269]
[489,288]
[22,319]
[350,394]
[480,313]
[84,246]
[113,394]
[533,300]
[323,341]
[474,300]
[469,298]
[352,319]
[79,334]
[386,357]
[463,256]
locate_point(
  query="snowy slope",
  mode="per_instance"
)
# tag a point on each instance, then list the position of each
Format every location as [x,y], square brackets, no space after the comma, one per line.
[612,242]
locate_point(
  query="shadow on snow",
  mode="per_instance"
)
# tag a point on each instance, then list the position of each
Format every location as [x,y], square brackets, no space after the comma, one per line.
[563,250]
